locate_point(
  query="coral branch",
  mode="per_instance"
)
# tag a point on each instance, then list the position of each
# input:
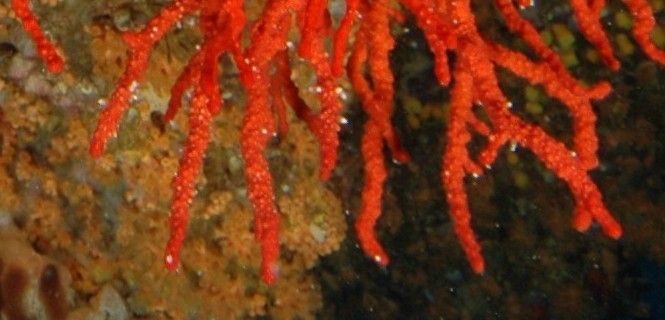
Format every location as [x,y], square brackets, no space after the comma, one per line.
[269,37]
[315,26]
[140,45]
[185,180]
[46,50]
[643,25]
[588,18]
[375,176]
[455,161]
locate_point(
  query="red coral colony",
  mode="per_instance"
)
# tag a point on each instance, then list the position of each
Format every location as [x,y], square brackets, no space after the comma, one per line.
[450,29]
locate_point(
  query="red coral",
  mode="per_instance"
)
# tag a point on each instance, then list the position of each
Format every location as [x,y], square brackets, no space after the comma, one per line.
[449,27]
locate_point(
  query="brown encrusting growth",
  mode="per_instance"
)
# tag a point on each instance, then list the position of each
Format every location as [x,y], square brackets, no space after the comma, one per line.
[101,218]
[2,266]
[52,293]
[14,288]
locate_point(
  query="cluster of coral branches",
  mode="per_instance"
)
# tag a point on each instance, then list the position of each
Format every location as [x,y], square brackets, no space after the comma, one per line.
[361,46]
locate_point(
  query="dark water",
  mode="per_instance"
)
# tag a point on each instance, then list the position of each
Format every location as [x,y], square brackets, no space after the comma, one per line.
[538,267]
